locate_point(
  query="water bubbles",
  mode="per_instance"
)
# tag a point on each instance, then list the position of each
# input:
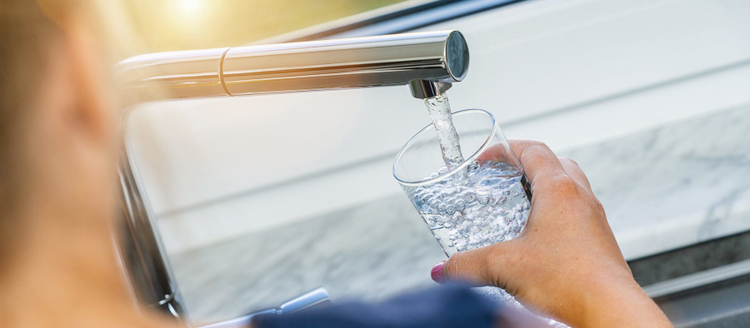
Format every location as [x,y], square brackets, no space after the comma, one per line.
[422,196]
[470,197]
[450,209]
[460,205]
[450,196]
[432,220]
[491,207]
[476,239]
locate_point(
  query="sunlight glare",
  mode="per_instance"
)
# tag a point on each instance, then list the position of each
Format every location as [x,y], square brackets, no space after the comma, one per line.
[189,9]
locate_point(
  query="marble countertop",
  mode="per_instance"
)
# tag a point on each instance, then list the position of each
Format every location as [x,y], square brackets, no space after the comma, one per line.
[674,185]
[367,252]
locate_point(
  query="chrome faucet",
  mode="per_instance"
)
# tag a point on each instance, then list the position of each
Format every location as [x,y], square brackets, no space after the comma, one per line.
[427,62]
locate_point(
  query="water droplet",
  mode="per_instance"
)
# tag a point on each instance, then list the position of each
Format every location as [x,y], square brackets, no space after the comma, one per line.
[460,205]
[470,197]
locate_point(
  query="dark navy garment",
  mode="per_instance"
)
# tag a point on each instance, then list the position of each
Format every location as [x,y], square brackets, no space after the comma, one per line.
[451,305]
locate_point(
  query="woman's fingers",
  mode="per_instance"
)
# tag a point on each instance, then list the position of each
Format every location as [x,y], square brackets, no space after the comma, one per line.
[479,266]
[539,162]
[575,172]
[542,166]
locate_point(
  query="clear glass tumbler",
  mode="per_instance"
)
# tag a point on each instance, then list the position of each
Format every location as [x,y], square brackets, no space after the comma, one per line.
[482,201]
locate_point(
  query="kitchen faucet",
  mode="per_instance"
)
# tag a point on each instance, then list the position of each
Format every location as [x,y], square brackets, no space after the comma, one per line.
[428,62]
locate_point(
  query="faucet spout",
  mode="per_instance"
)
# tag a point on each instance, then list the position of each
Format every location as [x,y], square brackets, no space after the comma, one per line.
[423,89]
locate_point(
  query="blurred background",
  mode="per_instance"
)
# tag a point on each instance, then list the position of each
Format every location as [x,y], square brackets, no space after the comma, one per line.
[262,198]
[168,25]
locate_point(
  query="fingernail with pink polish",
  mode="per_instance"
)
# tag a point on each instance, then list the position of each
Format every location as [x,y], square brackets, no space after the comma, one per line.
[437,272]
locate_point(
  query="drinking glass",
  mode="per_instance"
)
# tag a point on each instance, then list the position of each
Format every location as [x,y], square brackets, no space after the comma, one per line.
[482,201]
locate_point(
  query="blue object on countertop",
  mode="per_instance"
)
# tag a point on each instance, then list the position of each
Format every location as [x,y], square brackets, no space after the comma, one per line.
[450,305]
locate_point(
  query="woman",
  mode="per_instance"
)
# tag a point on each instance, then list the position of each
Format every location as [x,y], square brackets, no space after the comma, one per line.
[57,203]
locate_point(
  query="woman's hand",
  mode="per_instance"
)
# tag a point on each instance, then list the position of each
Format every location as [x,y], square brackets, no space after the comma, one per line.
[566,262]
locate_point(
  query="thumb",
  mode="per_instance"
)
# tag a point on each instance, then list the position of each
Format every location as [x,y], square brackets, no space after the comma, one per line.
[482,266]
